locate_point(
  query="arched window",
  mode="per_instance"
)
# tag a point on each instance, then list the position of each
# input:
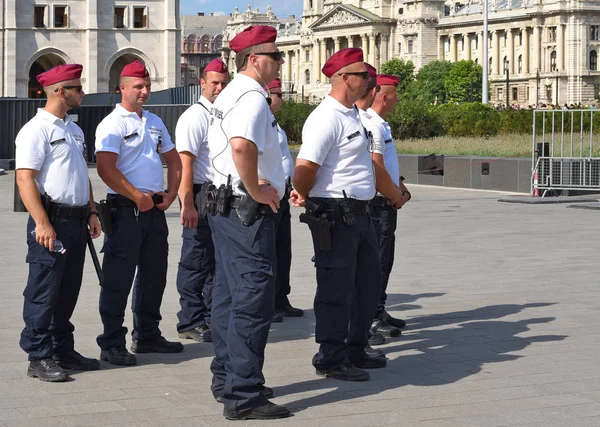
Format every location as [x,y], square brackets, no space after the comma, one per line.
[520,64]
[191,44]
[553,61]
[307,77]
[218,43]
[593,60]
[204,44]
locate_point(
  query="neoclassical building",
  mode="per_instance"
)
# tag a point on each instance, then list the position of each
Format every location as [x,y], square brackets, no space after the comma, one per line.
[549,47]
[103,35]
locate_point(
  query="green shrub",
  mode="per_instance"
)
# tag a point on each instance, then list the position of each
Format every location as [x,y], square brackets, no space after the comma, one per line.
[291,118]
[414,120]
[469,119]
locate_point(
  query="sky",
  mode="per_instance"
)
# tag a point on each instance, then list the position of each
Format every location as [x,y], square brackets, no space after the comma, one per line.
[281,8]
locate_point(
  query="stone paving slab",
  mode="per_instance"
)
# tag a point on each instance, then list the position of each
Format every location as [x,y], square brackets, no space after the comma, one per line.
[502,303]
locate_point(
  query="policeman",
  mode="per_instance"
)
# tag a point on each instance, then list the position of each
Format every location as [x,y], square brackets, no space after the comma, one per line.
[53,183]
[129,144]
[383,182]
[392,196]
[197,263]
[283,225]
[334,179]
[246,158]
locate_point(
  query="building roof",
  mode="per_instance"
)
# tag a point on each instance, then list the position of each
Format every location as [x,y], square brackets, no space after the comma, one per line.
[476,7]
[200,25]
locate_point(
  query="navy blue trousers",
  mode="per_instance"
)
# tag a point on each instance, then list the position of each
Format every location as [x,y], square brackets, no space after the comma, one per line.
[52,289]
[136,242]
[385,219]
[242,306]
[348,290]
[195,276]
[283,243]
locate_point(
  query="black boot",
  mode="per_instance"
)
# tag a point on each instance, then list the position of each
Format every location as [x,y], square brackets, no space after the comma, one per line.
[118,356]
[264,390]
[200,333]
[379,326]
[268,411]
[157,345]
[397,323]
[289,311]
[46,370]
[73,360]
[347,372]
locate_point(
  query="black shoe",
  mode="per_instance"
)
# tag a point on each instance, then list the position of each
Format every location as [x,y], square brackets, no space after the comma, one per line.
[157,345]
[277,318]
[269,411]
[118,356]
[264,390]
[73,360]
[369,362]
[376,338]
[347,372]
[385,329]
[370,351]
[46,370]
[199,333]
[289,311]
[396,323]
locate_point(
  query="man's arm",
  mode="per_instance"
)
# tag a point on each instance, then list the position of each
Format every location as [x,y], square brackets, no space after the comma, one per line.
[385,185]
[30,194]
[245,158]
[93,221]
[106,165]
[173,162]
[189,214]
[304,178]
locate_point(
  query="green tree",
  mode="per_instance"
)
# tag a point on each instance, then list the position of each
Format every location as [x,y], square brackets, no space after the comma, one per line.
[463,83]
[429,84]
[403,69]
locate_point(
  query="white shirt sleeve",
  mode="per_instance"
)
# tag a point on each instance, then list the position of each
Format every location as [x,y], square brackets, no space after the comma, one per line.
[317,139]
[190,133]
[167,142]
[378,146]
[109,135]
[249,119]
[32,146]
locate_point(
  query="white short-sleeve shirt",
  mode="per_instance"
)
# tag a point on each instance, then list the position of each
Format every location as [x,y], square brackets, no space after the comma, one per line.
[286,156]
[390,156]
[55,148]
[241,110]
[191,135]
[137,141]
[376,132]
[334,138]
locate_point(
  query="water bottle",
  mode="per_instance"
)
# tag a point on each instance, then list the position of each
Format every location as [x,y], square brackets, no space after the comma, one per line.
[58,246]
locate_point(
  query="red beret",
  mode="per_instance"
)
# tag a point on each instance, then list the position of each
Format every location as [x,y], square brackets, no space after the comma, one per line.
[252,36]
[60,73]
[386,79]
[217,65]
[274,84]
[342,58]
[372,70]
[135,69]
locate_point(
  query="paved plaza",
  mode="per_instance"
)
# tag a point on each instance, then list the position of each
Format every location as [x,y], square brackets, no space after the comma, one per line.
[502,302]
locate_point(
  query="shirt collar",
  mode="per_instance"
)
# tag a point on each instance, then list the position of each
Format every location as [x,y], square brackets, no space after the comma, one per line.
[204,101]
[249,81]
[51,118]
[375,116]
[337,105]
[124,113]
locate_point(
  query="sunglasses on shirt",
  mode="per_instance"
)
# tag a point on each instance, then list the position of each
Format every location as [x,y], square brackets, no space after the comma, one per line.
[275,56]
[363,74]
[78,88]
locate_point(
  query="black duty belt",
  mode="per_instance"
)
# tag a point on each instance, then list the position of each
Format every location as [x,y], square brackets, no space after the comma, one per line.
[118,201]
[65,211]
[357,207]
[378,202]
[236,202]
[198,187]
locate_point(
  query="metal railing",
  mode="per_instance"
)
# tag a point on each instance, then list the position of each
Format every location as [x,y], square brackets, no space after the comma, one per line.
[565,152]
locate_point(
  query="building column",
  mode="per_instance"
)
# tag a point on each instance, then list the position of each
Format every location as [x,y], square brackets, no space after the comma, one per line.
[467,42]
[510,47]
[385,38]
[323,51]
[496,52]
[480,52]
[288,66]
[316,59]
[372,39]
[337,41]
[560,48]
[365,44]
[536,49]
[299,79]
[453,48]
[525,50]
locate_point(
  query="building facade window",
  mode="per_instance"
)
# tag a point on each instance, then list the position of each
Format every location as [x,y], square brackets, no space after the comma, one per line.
[307,77]
[594,60]
[39,16]
[595,32]
[307,53]
[60,16]
[553,61]
[551,34]
[205,44]
[119,17]
[410,46]
[500,94]
[520,64]
[462,43]
[515,93]
[140,19]
[520,38]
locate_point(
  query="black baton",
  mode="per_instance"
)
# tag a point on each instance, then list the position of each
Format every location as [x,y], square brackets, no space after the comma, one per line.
[95,259]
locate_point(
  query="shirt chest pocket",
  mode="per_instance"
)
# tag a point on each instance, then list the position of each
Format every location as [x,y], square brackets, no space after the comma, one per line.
[356,139]
[59,146]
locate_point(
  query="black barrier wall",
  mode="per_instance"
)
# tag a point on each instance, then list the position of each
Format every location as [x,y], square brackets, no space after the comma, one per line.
[14,113]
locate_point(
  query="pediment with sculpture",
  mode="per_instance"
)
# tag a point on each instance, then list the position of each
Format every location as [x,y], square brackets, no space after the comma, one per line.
[341,16]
